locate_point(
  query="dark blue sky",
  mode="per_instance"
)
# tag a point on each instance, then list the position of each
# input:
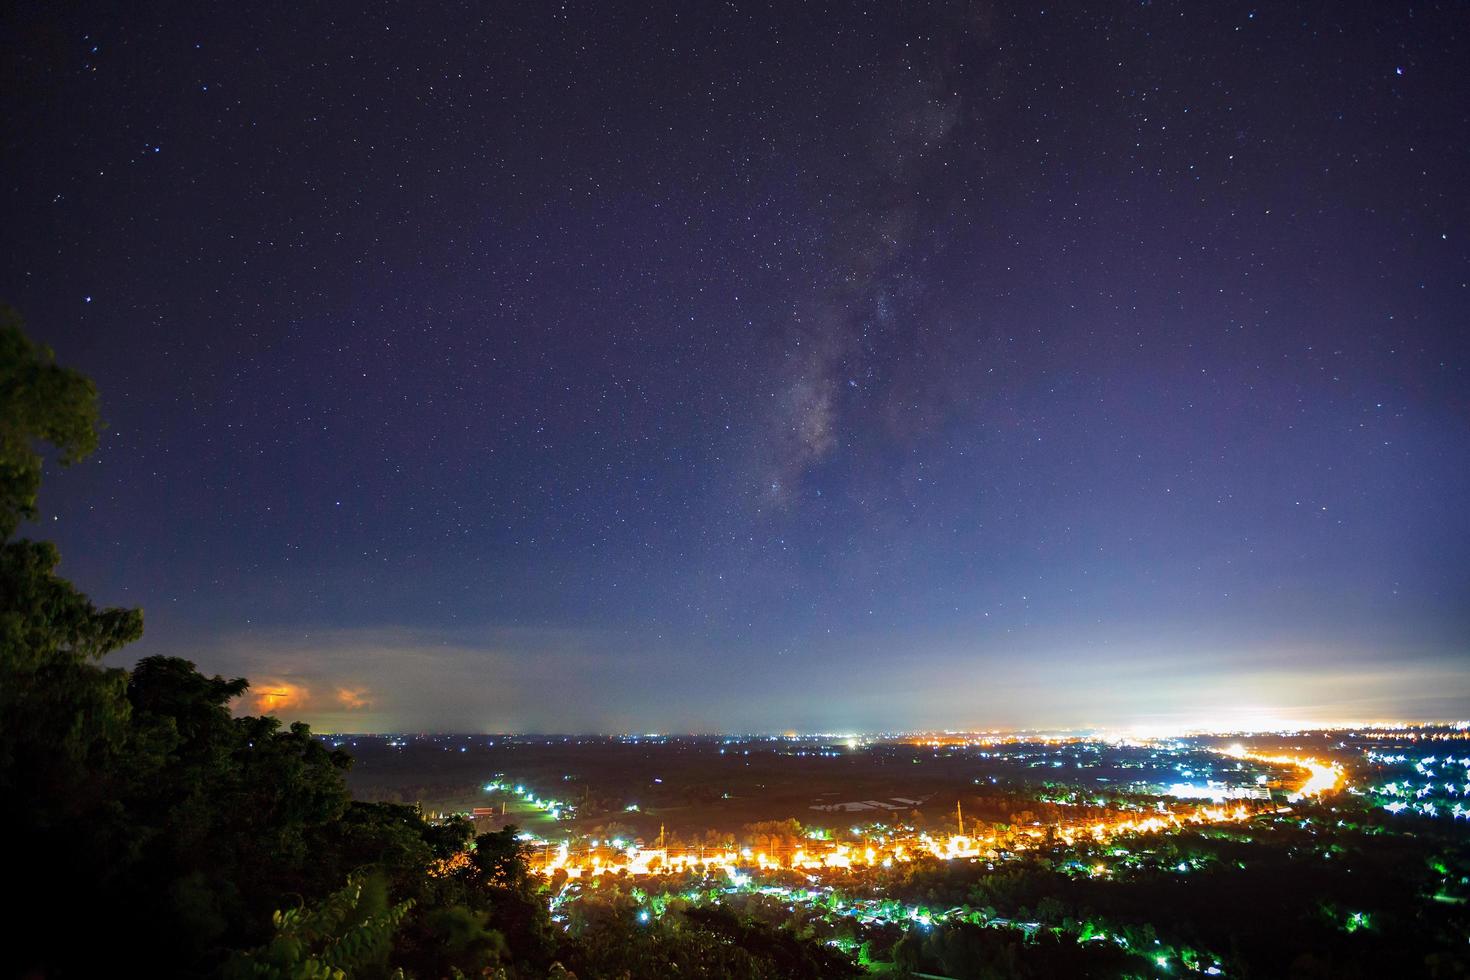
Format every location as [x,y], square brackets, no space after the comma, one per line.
[476,366]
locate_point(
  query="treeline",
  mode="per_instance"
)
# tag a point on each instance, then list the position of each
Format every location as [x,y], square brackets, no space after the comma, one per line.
[150,832]
[1278,900]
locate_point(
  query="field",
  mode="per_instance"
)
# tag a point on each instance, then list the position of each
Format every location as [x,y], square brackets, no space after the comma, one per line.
[695,785]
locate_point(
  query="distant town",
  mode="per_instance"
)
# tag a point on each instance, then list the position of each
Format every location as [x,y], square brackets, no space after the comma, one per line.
[887,846]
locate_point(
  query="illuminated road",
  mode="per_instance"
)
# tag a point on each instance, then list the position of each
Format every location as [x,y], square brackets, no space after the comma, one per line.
[1322,777]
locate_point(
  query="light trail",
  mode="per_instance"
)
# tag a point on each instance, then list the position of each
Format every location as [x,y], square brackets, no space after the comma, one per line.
[1322,777]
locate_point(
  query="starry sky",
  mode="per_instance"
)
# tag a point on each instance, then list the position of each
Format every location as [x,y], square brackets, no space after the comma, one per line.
[741,366]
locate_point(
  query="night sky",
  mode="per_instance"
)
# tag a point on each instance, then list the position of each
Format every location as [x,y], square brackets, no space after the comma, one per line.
[573,367]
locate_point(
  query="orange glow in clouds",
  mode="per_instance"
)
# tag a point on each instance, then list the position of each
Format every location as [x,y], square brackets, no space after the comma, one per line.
[354,698]
[272,697]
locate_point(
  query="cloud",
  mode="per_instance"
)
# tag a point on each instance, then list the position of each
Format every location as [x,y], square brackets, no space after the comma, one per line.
[565,680]
[354,698]
[394,679]
[273,696]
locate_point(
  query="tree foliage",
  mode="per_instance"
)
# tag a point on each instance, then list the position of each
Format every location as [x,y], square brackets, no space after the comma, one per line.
[40,402]
[348,933]
[138,790]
